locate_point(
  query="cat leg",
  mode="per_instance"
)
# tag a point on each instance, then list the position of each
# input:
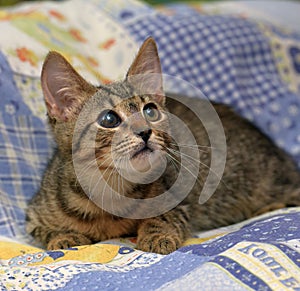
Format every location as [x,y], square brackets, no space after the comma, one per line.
[291,199]
[54,240]
[269,208]
[164,234]
[64,240]
[50,238]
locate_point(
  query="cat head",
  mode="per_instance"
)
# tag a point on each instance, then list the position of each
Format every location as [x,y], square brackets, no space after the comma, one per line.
[128,118]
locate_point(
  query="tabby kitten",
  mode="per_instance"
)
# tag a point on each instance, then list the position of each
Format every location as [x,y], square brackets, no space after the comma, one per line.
[129,125]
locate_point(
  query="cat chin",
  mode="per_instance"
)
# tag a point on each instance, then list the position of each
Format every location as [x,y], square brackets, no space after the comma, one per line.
[143,161]
[149,161]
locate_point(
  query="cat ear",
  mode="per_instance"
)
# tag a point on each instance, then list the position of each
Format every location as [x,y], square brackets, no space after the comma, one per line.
[146,72]
[64,89]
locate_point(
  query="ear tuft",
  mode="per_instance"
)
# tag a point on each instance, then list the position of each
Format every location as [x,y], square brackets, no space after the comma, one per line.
[145,71]
[64,89]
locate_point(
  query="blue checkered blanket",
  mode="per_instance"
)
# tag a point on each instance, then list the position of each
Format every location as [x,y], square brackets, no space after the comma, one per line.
[233,58]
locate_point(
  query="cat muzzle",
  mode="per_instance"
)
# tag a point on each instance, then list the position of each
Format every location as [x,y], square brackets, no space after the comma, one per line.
[145,150]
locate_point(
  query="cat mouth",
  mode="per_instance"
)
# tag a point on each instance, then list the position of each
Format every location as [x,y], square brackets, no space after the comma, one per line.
[144,151]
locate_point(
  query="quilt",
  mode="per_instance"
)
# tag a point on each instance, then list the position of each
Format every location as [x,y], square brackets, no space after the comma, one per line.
[234,53]
[262,254]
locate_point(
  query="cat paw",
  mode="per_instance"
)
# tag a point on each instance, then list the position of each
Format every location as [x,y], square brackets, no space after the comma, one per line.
[158,243]
[67,240]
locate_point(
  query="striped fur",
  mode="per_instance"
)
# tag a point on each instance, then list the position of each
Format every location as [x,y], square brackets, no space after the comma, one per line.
[258,176]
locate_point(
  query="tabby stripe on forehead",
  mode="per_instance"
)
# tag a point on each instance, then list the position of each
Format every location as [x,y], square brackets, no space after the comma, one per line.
[111,103]
[110,92]
[132,107]
[128,89]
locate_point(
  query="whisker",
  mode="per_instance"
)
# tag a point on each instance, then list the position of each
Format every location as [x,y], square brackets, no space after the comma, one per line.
[178,153]
[198,161]
[175,160]
[97,171]
[199,147]
[102,178]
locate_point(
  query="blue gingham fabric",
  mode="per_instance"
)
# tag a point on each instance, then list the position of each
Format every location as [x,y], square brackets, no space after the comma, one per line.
[24,152]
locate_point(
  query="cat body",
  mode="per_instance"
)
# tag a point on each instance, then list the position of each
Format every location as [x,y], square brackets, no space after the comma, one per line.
[133,127]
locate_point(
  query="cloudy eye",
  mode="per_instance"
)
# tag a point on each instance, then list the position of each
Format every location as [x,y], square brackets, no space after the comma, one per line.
[109,119]
[151,112]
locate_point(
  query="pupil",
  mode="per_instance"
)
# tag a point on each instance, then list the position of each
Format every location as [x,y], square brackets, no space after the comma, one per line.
[150,112]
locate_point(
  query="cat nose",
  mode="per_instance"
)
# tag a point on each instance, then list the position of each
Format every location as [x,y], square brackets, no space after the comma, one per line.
[145,134]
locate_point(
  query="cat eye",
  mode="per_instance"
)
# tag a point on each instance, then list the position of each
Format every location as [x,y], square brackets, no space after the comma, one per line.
[109,119]
[151,112]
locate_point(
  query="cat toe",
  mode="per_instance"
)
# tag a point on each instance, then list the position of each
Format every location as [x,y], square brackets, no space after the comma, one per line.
[65,241]
[161,244]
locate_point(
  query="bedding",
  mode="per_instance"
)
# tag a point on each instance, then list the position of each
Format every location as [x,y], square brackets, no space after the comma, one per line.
[234,53]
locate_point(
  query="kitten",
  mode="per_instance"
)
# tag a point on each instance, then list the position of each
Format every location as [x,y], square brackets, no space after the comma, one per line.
[95,127]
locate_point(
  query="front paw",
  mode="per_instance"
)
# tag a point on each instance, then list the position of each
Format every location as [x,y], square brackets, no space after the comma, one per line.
[67,240]
[158,243]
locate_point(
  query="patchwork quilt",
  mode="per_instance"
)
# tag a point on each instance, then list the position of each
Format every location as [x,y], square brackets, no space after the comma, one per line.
[235,53]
